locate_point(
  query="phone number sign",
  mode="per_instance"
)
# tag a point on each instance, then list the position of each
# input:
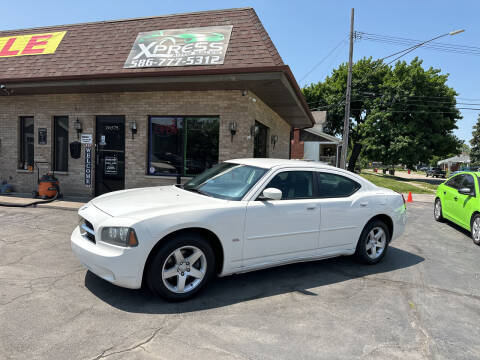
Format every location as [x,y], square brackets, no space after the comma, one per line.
[180,47]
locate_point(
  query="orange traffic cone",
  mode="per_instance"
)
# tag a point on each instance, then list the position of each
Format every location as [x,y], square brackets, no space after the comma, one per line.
[409,199]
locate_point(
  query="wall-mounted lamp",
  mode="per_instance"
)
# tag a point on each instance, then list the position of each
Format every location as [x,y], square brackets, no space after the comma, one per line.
[254,130]
[78,127]
[244,93]
[273,140]
[233,129]
[4,90]
[133,128]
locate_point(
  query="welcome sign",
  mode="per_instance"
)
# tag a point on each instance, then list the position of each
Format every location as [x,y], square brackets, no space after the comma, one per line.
[33,44]
[180,47]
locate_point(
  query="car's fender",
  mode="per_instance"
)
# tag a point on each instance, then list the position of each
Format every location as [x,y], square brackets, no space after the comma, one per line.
[226,222]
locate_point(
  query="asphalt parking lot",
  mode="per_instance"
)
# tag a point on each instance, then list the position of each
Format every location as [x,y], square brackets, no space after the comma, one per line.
[423,301]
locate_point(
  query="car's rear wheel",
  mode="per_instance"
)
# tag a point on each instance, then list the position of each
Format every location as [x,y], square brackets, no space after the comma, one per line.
[182,267]
[373,243]
[475,229]
[437,210]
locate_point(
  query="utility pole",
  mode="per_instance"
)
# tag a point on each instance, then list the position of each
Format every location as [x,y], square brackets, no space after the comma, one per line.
[346,121]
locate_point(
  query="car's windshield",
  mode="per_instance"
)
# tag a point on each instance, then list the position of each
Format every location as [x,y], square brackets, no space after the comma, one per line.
[226,181]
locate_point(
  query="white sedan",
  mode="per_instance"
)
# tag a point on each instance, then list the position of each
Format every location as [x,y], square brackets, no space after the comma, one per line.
[238,216]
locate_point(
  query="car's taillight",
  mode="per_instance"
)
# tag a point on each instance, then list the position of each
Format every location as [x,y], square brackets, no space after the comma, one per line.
[403,198]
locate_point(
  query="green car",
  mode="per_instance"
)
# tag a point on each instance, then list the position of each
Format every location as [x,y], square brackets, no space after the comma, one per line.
[458,200]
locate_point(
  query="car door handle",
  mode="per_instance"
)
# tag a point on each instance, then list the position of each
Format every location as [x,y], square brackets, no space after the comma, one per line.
[455,198]
[363,204]
[444,193]
[311,208]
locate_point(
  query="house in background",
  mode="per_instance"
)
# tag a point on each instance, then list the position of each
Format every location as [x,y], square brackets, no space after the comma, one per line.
[455,163]
[315,145]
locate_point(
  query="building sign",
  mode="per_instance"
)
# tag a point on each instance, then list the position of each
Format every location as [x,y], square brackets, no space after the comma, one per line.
[42,136]
[111,165]
[86,139]
[180,47]
[88,165]
[34,44]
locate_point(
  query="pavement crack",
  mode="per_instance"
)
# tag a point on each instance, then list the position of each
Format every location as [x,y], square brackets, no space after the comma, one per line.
[103,355]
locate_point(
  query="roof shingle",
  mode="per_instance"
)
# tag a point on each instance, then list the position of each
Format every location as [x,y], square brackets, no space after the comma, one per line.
[101,48]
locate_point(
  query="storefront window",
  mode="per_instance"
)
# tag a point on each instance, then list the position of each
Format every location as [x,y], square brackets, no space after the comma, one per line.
[182,145]
[60,143]
[26,143]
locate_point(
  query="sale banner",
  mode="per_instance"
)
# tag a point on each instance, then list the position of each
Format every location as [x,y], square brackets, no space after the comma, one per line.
[33,44]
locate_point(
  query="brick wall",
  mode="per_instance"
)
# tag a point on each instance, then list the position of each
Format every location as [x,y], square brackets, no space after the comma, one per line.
[135,106]
[297,147]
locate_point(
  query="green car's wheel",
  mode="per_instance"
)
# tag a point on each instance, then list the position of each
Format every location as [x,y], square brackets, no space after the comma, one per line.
[437,210]
[475,229]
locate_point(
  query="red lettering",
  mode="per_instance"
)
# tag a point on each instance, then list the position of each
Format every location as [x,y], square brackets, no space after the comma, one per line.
[29,48]
[6,48]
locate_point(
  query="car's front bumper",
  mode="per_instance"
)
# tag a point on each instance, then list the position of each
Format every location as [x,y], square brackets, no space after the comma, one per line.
[120,266]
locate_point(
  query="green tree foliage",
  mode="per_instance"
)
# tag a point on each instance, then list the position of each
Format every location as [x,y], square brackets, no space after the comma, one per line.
[401,114]
[475,142]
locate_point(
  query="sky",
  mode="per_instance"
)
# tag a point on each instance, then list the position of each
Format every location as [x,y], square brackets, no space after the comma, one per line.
[306,31]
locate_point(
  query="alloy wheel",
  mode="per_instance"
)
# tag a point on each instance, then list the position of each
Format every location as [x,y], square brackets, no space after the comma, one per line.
[476,230]
[438,209]
[376,242]
[184,269]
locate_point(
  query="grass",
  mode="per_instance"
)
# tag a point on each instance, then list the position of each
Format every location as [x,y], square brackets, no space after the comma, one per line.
[398,184]
[427,185]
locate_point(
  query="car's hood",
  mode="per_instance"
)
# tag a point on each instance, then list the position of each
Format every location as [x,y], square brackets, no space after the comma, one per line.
[135,201]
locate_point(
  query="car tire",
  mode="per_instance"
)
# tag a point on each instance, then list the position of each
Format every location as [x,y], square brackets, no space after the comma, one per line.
[170,274]
[368,250]
[475,229]
[438,212]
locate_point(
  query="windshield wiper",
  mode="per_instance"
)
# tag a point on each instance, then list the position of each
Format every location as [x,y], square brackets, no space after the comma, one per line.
[197,191]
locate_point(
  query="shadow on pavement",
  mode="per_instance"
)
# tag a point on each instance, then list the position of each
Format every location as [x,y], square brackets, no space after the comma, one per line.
[254,285]
[458,228]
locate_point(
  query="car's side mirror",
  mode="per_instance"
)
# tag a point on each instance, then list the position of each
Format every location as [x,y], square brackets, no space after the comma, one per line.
[271,194]
[465,191]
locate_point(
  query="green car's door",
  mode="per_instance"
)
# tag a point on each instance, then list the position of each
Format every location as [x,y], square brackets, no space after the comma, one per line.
[450,191]
[464,205]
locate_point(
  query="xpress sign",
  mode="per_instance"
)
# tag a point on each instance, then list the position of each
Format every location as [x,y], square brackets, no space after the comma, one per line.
[180,47]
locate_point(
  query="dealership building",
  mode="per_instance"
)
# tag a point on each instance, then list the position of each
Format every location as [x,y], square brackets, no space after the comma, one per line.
[142,102]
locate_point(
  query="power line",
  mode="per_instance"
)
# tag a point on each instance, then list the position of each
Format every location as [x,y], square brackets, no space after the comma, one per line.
[459,49]
[323,59]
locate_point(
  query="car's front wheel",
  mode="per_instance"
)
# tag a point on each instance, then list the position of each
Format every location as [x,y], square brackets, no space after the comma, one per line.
[373,243]
[181,267]
[437,210]
[475,229]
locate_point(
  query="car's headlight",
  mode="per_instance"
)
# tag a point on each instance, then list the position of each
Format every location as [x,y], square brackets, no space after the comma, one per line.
[121,236]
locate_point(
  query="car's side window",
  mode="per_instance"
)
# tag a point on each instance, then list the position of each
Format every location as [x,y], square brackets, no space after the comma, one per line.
[469,182]
[455,181]
[293,184]
[333,185]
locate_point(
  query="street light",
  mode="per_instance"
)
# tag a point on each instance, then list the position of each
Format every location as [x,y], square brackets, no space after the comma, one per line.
[346,123]
[410,49]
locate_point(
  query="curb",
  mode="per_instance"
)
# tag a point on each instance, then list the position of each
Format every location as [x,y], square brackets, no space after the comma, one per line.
[60,206]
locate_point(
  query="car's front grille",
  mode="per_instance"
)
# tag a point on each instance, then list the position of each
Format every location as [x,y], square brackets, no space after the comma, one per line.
[86,229]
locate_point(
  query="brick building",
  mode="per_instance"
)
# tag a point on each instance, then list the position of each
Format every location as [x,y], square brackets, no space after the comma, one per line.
[139,102]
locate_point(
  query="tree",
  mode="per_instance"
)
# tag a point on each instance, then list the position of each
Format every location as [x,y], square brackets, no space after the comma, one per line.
[475,142]
[401,114]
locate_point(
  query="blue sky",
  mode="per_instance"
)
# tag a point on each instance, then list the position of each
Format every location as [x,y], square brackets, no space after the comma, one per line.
[306,31]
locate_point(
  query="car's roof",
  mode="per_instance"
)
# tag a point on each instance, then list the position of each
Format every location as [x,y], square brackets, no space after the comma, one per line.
[268,163]
[466,172]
